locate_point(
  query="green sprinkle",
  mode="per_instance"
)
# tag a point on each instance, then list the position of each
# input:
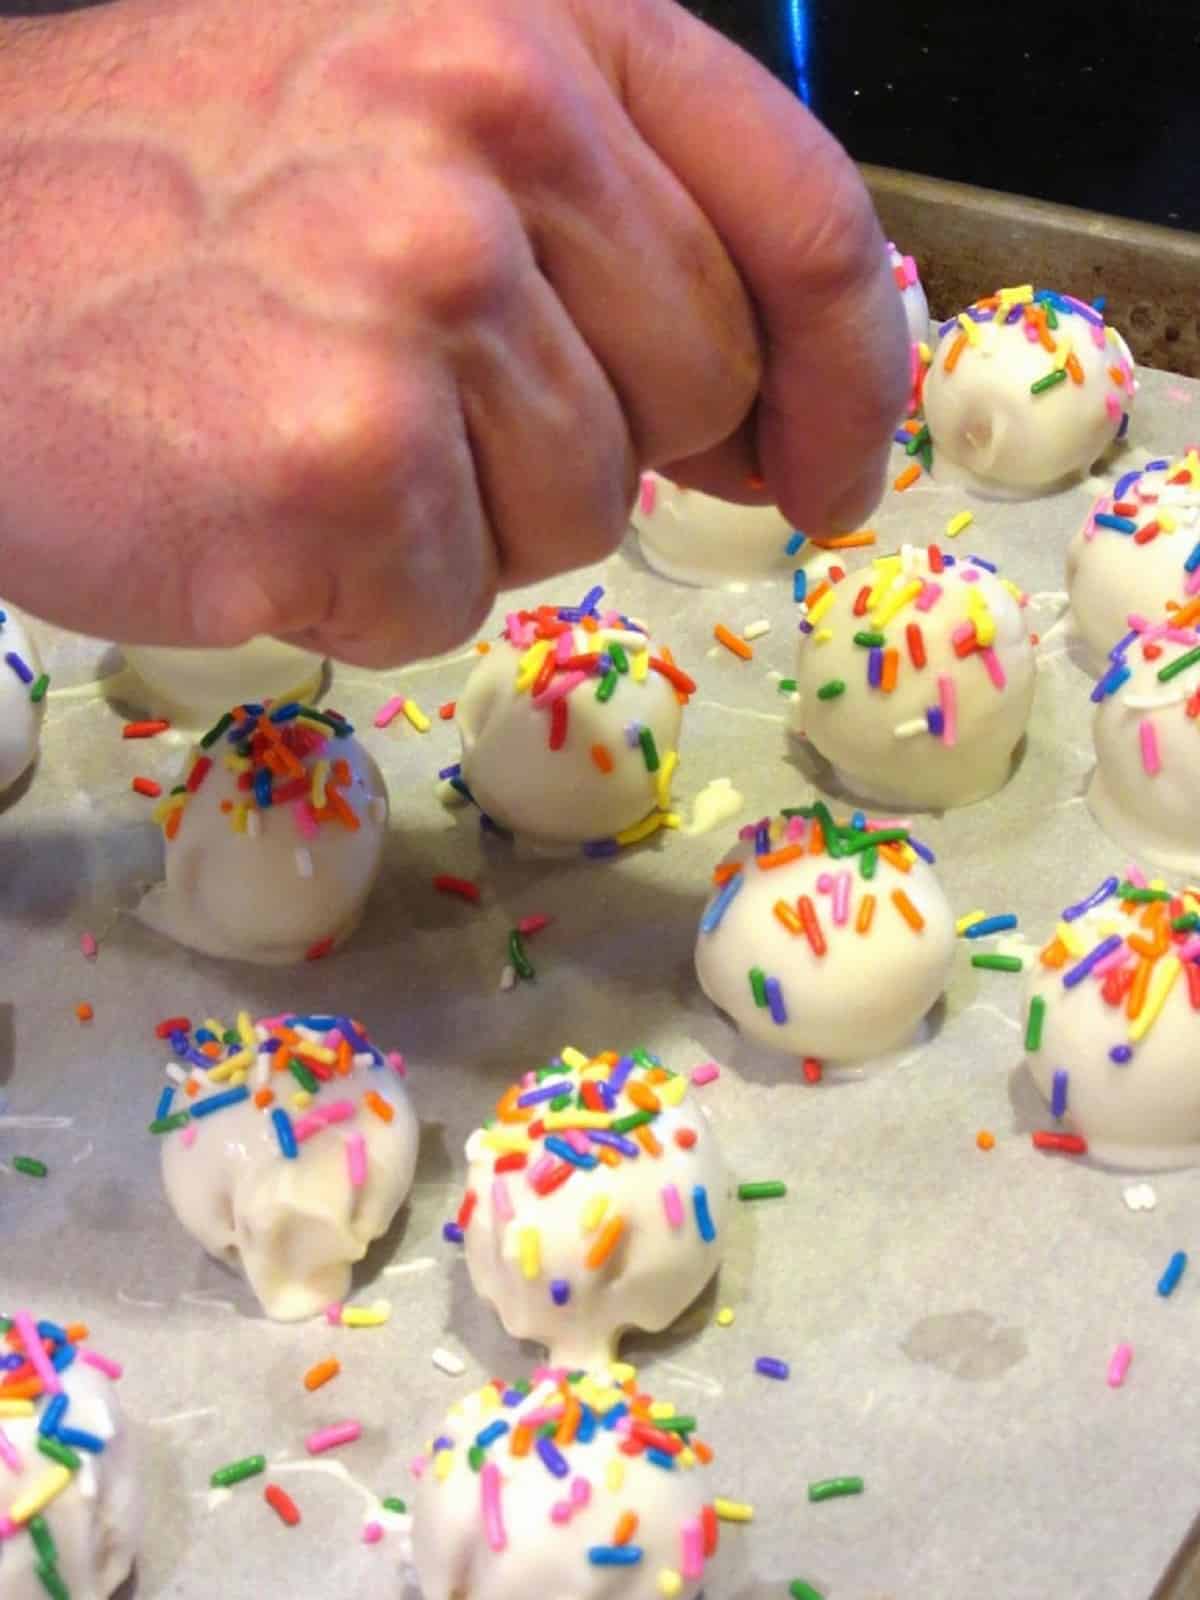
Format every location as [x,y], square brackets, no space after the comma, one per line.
[619,659]
[870,860]
[1049,381]
[833,834]
[834,1488]
[758,985]
[516,954]
[677,1425]
[870,641]
[606,686]
[998,963]
[43,1541]
[1051,318]
[768,1189]
[831,690]
[1033,1026]
[306,1078]
[1130,891]
[38,691]
[787,685]
[799,1590]
[51,1580]
[645,1059]
[635,1119]
[217,729]
[238,1472]
[649,749]
[1185,924]
[917,442]
[476,1456]
[1180,664]
[393,1503]
[59,1452]
[30,1166]
[171,1124]
[855,842]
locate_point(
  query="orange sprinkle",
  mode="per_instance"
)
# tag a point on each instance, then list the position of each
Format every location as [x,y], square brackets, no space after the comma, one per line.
[702,1452]
[648,1141]
[891,665]
[344,1064]
[787,916]
[482,647]
[846,541]
[627,1526]
[642,1097]
[908,477]
[521,1440]
[985,1140]
[912,426]
[378,1105]
[816,837]
[607,1241]
[1054,955]
[191,1088]
[732,643]
[602,758]
[263,1098]
[896,857]
[610,1158]
[571,1418]
[590,625]
[1074,370]
[22,1389]
[866,914]
[1117,376]
[1136,998]
[84,1011]
[508,1110]
[727,870]
[316,1376]
[171,826]
[954,353]
[907,910]
[1188,614]
[779,858]
[76,1332]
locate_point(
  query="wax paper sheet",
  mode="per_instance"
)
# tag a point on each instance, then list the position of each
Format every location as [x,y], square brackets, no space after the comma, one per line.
[948,1314]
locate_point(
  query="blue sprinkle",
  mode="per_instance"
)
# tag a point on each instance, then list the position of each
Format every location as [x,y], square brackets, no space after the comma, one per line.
[762,839]
[566,1152]
[978,561]
[78,1439]
[1105,519]
[771,1367]
[591,600]
[875,666]
[552,1457]
[800,587]
[858,821]
[659,1458]
[218,1102]
[712,917]
[262,787]
[614,1555]
[1126,482]
[599,849]
[53,1415]
[1079,972]
[486,1437]
[164,1103]
[1160,465]
[1099,303]
[10,1362]
[986,925]
[1124,428]
[1058,1094]
[52,1330]
[460,787]
[285,713]
[611,1418]
[1193,561]
[1175,1270]
[586,1431]
[450,772]
[560,1291]
[63,1357]
[284,1133]
[19,666]
[1121,1054]
[1098,895]
[1110,682]
[206,1036]
[797,539]
[452,1233]
[704,1221]
[774,993]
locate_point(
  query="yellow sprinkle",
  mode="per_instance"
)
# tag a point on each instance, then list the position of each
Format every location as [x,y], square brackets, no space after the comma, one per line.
[416,716]
[245,1028]
[320,776]
[443,1464]
[1022,294]
[301,1100]
[623,1372]
[321,1053]
[367,1316]
[733,1510]
[673,1091]
[925,353]
[896,602]
[614,1475]
[1161,984]
[489,1398]
[670,1583]
[47,1488]
[639,666]
[641,830]
[1166,522]
[225,1070]
[686,1458]
[593,1213]
[1069,939]
[725,1317]
[1063,354]
[236,1078]
[671,819]
[529,1246]
[666,772]
[814,613]
[969,327]
[981,616]
[555,1121]
[239,764]
[570,1057]
[961,520]
[661,1410]
[506,1141]
[963,923]
[822,636]
[16,1408]
[530,664]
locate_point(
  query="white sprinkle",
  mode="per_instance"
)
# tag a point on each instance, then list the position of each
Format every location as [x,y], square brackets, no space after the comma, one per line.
[446,1361]
[1140,1197]
[304,862]
[909,730]
[755,630]
[508,976]
[176,1073]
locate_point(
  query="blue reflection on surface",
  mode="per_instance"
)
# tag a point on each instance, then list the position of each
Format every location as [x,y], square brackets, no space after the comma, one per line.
[798,22]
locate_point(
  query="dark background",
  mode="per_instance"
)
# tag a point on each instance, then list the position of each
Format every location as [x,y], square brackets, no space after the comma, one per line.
[1094,105]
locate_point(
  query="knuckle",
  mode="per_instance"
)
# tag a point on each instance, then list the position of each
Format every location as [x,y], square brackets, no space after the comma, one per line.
[509,95]
[469,256]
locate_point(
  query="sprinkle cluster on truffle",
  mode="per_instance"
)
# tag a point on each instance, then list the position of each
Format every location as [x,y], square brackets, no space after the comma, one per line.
[1158,501]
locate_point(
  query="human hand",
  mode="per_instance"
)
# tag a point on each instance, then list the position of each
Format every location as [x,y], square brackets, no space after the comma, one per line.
[325,321]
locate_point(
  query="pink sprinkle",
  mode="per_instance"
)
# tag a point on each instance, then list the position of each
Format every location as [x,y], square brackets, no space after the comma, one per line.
[188,1136]
[707,1072]
[948,700]
[841,899]
[825,883]
[305,819]
[795,829]
[336,1111]
[396,1061]
[539,1169]
[1189,949]
[356,1160]
[1097,333]
[672,1205]
[1117,959]
[581,1491]
[1113,406]
[564,648]
[333,1314]
[9,1453]
[8,1528]
[559,688]
[493,1517]
[1148,738]
[111,1369]
[304,1127]
[969,575]
[928,597]
[692,1540]
[338,1433]
[577,1141]
[418,1466]
[648,495]
[389,711]
[531,925]
[502,1206]
[560,1512]
[87,943]
[1031,332]
[963,633]
[1118,1365]
[1135,876]
[372,1532]
[27,1332]
[995,668]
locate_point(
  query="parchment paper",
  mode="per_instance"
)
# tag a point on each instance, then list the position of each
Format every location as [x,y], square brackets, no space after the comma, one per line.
[948,1314]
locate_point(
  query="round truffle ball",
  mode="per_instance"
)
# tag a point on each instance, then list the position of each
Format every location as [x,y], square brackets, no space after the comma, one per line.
[570,726]
[1138,549]
[274,838]
[193,687]
[802,910]
[1027,390]
[21,699]
[1113,1023]
[71,1522]
[916,316]
[294,1155]
[613,1502]
[1144,787]
[595,1202]
[915,678]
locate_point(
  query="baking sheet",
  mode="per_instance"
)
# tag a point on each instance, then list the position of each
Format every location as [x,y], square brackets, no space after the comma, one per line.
[948,1314]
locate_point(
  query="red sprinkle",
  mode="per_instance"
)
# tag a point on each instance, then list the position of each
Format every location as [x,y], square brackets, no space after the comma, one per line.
[282,1504]
[512,1161]
[558,723]
[1069,1144]
[812,1070]
[685,1138]
[1193,982]
[467,1210]
[531,925]
[861,599]
[198,773]
[447,711]
[916,644]
[170,1025]
[937,562]
[318,951]
[444,883]
[147,787]
[143,730]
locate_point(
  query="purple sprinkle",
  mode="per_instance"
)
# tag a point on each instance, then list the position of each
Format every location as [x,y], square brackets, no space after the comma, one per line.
[19,666]
[935,721]
[1058,1094]
[601,849]
[450,772]
[552,1457]
[775,1001]
[1121,1054]
[1123,484]
[452,1233]
[560,1291]
[614,1141]
[923,850]
[1080,971]
[762,840]
[591,600]
[633,734]
[978,561]
[619,1076]
[771,1367]
[875,666]
[1014,315]
[1097,896]
[1110,682]
[1124,428]
[1160,465]
[545,1091]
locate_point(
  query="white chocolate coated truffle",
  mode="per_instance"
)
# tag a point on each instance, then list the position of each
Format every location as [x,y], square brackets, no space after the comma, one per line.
[833,956]
[293,1191]
[275,841]
[20,715]
[912,293]
[93,1512]
[695,538]
[915,679]
[1138,549]
[1113,1024]
[594,1209]
[1026,392]
[570,734]
[543,1517]
[1147,735]
[194,687]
